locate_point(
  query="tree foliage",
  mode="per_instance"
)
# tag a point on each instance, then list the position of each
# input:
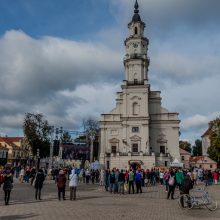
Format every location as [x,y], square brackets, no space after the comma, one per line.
[197,148]
[66,137]
[91,127]
[185,145]
[214,149]
[36,130]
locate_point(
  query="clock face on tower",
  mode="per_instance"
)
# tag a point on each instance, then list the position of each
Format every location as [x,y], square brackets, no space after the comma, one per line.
[135,45]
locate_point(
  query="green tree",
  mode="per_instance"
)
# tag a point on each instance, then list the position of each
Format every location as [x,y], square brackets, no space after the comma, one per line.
[66,137]
[36,130]
[185,145]
[214,149]
[91,126]
[197,148]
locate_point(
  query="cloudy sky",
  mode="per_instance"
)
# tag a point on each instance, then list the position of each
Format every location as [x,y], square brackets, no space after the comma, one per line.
[65,59]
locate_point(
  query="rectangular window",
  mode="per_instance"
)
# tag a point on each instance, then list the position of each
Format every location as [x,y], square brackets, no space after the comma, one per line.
[182,157]
[162,149]
[114,149]
[210,165]
[135,129]
[165,163]
[135,148]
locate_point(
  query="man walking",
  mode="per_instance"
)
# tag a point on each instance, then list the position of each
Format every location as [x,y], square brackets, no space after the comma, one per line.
[138,182]
[121,181]
[131,181]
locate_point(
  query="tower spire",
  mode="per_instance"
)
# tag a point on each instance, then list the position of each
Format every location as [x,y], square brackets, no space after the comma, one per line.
[136,6]
[136,17]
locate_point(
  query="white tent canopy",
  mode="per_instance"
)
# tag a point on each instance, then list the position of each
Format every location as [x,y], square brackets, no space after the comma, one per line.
[175,163]
[95,165]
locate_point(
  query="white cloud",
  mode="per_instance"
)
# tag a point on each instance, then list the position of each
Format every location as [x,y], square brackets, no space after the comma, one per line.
[198,121]
[35,75]
[39,66]
[64,79]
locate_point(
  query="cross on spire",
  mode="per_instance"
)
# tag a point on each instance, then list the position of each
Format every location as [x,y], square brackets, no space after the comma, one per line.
[136,6]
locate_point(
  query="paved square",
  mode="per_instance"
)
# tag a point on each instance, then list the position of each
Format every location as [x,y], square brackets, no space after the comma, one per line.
[94,203]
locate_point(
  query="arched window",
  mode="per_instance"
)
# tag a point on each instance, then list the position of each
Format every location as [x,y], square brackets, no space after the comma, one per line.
[136,109]
[135,30]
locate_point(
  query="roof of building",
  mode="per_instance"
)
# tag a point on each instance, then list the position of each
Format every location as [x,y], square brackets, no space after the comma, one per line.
[11,141]
[207,132]
[184,152]
[3,148]
[204,159]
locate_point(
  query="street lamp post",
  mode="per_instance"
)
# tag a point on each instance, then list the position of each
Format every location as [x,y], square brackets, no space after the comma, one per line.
[92,138]
[51,147]
[59,134]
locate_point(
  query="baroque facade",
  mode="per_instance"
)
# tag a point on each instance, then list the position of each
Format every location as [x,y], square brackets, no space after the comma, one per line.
[139,131]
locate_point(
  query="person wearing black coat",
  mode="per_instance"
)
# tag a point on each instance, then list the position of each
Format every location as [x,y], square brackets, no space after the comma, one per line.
[7,185]
[38,185]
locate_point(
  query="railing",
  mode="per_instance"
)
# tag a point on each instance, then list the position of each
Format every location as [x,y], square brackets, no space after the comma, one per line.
[162,154]
[135,82]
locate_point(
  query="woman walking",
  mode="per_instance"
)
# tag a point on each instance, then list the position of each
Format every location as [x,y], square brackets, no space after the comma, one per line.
[73,183]
[38,185]
[61,184]
[171,185]
[7,185]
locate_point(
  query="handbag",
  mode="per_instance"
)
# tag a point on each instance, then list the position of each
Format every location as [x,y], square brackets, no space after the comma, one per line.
[34,181]
[125,187]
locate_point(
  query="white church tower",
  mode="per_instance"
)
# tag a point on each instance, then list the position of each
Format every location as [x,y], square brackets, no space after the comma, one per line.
[138,132]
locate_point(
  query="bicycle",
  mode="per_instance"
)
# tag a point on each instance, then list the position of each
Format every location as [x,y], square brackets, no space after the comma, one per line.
[188,201]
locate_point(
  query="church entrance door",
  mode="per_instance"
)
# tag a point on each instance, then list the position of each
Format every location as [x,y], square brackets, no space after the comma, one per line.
[135,166]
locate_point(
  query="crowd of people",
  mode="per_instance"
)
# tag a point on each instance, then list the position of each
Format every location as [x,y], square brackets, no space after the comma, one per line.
[114,181]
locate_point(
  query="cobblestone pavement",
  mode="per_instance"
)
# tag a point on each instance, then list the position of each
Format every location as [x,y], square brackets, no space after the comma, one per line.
[93,203]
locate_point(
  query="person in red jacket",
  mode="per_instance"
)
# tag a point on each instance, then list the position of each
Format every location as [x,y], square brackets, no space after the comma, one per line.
[215,177]
[61,184]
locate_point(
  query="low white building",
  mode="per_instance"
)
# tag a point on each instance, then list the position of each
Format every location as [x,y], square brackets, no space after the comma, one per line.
[139,131]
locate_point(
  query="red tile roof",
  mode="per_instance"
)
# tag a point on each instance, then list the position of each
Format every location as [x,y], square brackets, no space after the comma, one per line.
[204,159]
[195,159]
[10,141]
[207,132]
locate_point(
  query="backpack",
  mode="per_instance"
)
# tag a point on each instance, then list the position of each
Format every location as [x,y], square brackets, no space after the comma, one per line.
[171,181]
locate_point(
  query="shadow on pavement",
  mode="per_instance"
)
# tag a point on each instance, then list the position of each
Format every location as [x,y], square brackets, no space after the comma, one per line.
[30,201]
[88,197]
[17,217]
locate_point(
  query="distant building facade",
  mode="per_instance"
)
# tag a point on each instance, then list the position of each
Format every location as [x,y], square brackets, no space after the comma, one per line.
[203,162]
[185,158]
[139,131]
[206,142]
[17,153]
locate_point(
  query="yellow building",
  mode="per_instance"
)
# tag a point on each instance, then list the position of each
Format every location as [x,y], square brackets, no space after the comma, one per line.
[17,153]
